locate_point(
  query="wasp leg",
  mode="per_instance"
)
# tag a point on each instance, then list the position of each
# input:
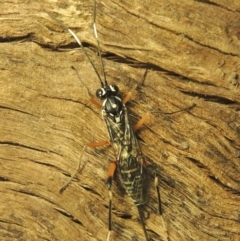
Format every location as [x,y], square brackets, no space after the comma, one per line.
[111,171]
[159,211]
[91,99]
[127,97]
[74,174]
[95,102]
[177,111]
[130,93]
[98,144]
[141,122]
[92,145]
[142,219]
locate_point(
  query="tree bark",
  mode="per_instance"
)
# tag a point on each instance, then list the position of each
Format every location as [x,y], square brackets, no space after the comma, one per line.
[191,50]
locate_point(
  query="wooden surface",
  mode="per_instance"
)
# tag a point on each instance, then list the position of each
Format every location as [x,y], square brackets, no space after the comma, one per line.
[192,52]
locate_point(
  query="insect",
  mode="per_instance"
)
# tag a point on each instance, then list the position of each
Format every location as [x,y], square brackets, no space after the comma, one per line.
[129,160]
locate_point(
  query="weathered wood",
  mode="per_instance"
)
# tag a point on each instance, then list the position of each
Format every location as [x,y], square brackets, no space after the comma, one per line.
[192,51]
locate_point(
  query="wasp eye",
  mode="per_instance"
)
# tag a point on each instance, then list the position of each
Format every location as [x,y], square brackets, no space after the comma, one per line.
[104,92]
[101,93]
[114,89]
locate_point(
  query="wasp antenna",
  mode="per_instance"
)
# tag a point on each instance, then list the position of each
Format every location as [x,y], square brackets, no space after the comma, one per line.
[79,77]
[79,43]
[98,44]
[85,52]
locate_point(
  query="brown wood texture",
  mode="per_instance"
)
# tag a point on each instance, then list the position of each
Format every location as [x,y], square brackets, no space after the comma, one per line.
[192,52]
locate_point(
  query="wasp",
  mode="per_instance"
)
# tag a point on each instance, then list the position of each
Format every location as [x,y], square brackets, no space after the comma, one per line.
[130,162]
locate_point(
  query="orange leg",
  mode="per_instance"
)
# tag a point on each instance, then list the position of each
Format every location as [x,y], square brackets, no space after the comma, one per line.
[91,99]
[127,97]
[75,173]
[98,144]
[95,102]
[141,122]
[129,94]
[92,145]
[147,163]
[111,171]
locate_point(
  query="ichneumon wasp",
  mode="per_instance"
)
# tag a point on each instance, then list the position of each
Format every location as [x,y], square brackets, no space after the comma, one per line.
[131,163]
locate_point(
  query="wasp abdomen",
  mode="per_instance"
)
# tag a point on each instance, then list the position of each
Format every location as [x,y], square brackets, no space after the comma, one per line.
[135,184]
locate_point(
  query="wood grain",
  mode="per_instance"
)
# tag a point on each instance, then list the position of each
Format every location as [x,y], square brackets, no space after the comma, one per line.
[192,52]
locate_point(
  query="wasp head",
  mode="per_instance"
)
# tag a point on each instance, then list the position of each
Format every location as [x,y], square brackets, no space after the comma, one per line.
[104,92]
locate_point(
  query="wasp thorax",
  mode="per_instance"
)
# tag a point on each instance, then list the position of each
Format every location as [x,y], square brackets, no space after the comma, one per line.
[113,108]
[106,91]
